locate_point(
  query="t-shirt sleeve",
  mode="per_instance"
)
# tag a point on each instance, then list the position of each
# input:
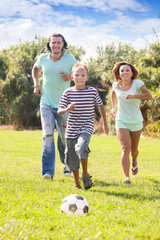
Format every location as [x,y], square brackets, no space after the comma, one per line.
[38,62]
[63,103]
[73,61]
[114,85]
[98,100]
[139,83]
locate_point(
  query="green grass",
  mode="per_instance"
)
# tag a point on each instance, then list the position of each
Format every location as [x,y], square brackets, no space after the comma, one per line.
[30,207]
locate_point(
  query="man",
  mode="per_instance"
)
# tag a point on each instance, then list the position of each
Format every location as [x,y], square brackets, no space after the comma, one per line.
[56,66]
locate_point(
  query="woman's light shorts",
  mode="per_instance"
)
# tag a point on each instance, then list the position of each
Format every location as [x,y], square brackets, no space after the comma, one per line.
[132,127]
[77,149]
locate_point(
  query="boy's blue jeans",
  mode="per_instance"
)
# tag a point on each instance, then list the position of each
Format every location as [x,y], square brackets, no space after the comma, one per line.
[50,118]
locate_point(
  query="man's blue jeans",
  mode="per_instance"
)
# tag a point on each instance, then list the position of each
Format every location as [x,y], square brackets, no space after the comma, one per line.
[50,118]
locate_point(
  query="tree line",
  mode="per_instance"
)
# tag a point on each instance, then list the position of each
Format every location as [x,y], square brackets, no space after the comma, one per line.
[20,107]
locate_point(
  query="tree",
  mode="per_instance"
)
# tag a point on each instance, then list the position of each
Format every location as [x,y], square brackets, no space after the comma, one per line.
[17,91]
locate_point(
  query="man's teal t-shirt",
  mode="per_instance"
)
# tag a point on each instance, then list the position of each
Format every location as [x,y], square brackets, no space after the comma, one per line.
[129,109]
[53,84]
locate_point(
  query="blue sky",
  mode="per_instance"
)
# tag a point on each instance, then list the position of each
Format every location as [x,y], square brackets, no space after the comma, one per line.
[86,23]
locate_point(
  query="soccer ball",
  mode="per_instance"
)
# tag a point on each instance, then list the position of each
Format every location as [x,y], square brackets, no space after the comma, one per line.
[75,204]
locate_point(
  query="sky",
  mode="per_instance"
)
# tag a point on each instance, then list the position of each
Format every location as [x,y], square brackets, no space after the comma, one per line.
[86,23]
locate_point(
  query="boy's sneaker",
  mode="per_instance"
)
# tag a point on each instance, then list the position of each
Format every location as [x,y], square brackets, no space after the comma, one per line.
[66,171]
[79,187]
[87,182]
[47,177]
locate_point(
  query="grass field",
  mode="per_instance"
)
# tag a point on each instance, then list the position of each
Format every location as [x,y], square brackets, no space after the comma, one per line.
[30,207]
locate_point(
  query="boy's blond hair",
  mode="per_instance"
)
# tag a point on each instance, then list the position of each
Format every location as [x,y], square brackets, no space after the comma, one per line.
[79,66]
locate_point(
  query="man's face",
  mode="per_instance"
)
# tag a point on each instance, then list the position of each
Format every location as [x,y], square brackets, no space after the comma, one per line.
[56,44]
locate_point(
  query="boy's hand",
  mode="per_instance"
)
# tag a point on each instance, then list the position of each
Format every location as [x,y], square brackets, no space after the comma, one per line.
[71,106]
[105,128]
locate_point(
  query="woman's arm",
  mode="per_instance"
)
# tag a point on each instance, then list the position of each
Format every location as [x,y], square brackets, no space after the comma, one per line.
[114,101]
[145,95]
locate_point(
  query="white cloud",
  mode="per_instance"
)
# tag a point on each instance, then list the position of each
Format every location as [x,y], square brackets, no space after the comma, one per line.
[128,4]
[25,19]
[147,25]
[104,5]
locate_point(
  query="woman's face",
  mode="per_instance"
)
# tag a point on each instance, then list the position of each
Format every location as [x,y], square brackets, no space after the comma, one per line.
[125,73]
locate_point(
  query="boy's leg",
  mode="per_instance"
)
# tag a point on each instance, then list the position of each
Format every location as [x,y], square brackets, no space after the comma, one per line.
[84,163]
[82,151]
[76,178]
[72,160]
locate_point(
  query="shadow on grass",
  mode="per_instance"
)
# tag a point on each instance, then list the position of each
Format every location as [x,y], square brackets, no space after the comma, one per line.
[155,182]
[119,188]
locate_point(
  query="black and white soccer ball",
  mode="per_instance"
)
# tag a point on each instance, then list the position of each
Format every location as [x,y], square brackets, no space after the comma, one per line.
[75,204]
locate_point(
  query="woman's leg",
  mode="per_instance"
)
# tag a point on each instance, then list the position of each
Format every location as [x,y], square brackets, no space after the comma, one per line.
[135,136]
[124,139]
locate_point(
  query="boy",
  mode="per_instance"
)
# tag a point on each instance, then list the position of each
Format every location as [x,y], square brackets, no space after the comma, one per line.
[79,101]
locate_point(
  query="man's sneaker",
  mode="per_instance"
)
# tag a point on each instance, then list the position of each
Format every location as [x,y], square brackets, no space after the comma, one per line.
[87,182]
[66,170]
[47,177]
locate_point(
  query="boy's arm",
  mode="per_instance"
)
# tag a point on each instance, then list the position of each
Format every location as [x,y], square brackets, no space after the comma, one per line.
[70,107]
[103,115]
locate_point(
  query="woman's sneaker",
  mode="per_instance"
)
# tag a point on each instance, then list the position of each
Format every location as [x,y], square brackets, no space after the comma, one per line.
[87,182]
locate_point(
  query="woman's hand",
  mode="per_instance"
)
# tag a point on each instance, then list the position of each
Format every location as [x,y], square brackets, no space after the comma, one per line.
[113,112]
[129,96]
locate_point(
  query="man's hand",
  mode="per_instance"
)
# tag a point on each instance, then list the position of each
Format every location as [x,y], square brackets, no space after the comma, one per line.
[38,91]
[65,76]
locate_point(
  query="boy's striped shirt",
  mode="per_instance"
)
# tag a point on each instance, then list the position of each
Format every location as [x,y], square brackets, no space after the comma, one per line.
[80,120]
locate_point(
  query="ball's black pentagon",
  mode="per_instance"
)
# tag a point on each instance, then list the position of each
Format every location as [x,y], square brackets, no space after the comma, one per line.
[79,197]
[86,209]
[72,208]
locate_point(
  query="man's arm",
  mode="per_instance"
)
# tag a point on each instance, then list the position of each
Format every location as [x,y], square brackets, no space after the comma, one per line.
[35,76]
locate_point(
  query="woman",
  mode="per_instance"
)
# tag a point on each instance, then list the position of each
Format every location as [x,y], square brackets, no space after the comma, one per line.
[128,91]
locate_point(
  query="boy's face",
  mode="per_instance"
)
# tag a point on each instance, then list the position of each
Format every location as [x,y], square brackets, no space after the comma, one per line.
[80,76]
